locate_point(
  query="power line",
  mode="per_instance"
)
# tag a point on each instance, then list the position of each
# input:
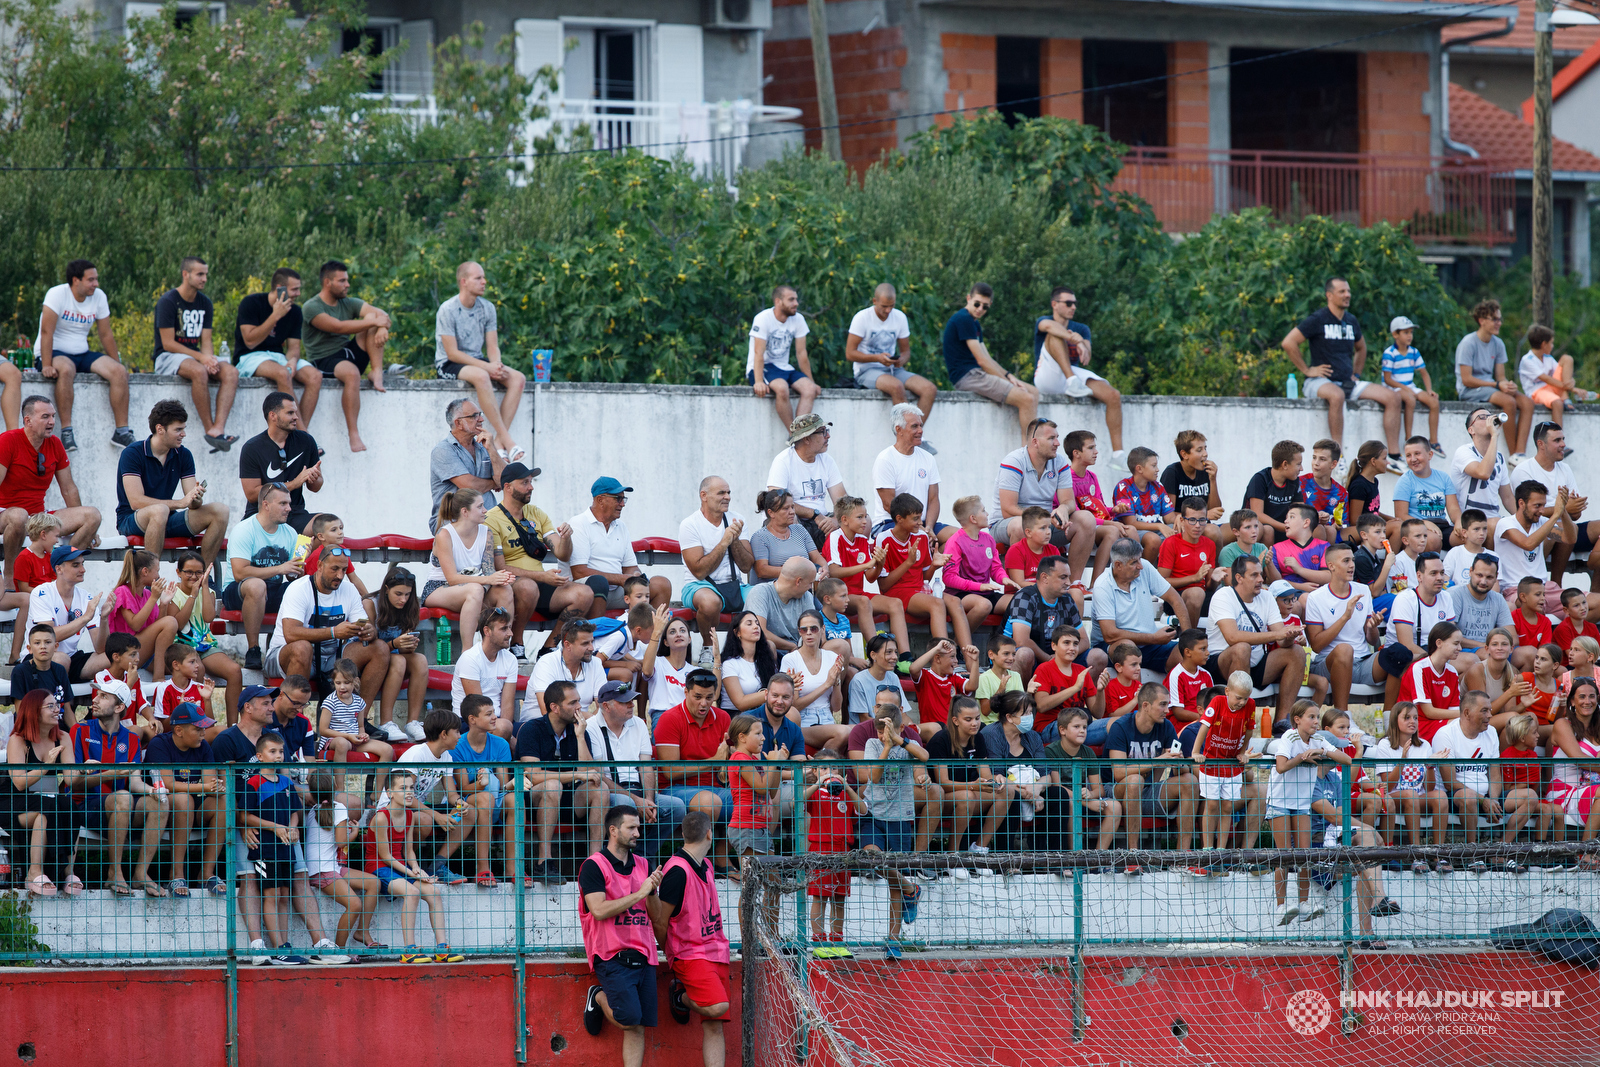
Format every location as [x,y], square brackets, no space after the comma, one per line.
[1438,18]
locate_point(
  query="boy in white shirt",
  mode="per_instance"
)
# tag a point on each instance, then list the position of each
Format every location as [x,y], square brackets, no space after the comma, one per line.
[1474,537]
[1548,380]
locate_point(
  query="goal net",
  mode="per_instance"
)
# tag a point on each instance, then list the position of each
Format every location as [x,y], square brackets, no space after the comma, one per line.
[1410,956]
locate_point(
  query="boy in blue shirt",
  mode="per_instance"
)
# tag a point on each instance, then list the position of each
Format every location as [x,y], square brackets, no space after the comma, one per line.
[1401,366]
[486,790]
[271,806]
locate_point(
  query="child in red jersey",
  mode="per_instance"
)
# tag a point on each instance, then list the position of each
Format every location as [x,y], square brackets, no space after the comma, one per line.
[853,560]
[909,564]
[833,805]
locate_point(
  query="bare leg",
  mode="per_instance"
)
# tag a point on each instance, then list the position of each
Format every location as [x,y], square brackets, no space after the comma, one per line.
[350,399]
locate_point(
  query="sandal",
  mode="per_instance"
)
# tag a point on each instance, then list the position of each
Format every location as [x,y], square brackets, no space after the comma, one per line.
[221,442]
[178,887]
[119,888]
[150,888]
[41,887]
[74,885]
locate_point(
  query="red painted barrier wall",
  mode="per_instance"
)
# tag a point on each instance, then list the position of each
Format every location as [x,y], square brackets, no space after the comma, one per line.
[1009,1013]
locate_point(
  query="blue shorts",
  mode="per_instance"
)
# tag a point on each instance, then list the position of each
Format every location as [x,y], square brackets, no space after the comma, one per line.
[241,857]
[386,875]
[730,593]
[177,525]
[687,793]
[630,991]
[775,373]
[1154,657]
[83,362]
[888,524]
[889,836]
[94,809]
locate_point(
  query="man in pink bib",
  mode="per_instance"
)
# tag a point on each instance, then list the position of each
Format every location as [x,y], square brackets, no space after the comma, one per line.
[688,923]
[618,937]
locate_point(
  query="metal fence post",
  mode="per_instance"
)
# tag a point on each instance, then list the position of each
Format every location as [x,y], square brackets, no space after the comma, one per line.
[230,901]
[521,961]
[1080,1018]
[1347,888]
[802,937]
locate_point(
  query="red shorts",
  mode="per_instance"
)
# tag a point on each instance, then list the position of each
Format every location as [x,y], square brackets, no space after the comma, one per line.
[829,884]
[705,982]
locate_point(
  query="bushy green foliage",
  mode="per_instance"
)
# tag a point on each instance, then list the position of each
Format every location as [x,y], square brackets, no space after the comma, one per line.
[1577,308]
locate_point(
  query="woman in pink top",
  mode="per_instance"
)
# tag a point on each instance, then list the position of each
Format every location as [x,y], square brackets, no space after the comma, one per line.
[136,608]
[976,575]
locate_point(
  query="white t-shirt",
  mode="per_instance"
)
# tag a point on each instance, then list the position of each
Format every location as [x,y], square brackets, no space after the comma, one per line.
[1403,574]
[633,744]
[45,605]
[1530,471]
[1262,616]
[322,855]
[1519,563]
[73,320]
[301,600]
[667,687]
[780,338]
[474,666]
[1476,492]
[1291,791]
[1531,365]
[698,532]
[552,668]
[1408,608]
[808,483]
[1458,565]
[902,474]
[608,550]
[431,771]
[749,680]
[619,643]
[1451,742]
[879,337]
[820,711]
[1323,607]
[1412,775]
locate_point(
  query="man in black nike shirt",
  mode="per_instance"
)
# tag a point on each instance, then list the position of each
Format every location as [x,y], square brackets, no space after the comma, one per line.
[282,453]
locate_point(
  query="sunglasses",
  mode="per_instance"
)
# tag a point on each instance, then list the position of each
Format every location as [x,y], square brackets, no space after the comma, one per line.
[336,550]
[38,461]
[982,306]
[1068,303]
[497,613]
[810,629]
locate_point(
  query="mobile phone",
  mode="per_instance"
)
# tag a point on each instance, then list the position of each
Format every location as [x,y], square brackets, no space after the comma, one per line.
[283,292]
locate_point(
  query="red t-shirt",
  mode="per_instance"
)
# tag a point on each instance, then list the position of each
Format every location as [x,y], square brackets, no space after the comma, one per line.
[934,694]
[694,740]
[25,483]
[138,703]
[31,570]
[850,552]
[1225,734]
[1531,634]
[172,696]
[832,822]
[1184,688]
[1019,557]
[316,554]
[1052,681]
[749,812]
[1118,694]
[1422,684]
[1519,774]
[1566,631]
[895,553]
[1184,559]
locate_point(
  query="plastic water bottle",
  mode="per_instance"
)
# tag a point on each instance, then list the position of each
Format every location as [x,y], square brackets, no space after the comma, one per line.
[716,374]
[442,649]
[1291,387]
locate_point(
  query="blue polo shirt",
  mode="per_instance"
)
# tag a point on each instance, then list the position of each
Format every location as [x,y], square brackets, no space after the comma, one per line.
[299,736]
[160,479]
[787,734]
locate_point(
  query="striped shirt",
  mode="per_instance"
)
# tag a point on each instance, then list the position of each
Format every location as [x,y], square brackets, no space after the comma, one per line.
[1403,367]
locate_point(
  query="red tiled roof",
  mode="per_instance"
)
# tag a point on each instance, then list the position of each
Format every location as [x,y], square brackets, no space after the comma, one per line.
[1567,38]
[1570,75]
[1499,135]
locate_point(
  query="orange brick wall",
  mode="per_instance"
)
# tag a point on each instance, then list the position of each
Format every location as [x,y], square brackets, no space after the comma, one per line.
[969,69]
[1188,97]
[866,79]
[1061,71]
[1391,86]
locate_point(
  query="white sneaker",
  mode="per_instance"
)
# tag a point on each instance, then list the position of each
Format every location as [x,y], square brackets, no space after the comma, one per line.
[392,732]
[1119,460]
[327,954]
[977,849]
[706,660]
[258,945]
[960,873]
[1313,911]
[414,731]
[1286,913]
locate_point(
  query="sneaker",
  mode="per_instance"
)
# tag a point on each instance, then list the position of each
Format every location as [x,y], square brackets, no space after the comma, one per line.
[442,954]
[840,952]
[446,876]
[926,875]
[1119,460]
[1196,872]
[286,959]
[1385,907]
[891,950]
[960,873]
[252,658]
[675,1004]
[549,873]
[1419,867]
[414,731]
[1478,867]
[258,945]
[908,906]
[411,955]
[392,731]
[1566,452]
[123,437]
[1436,448]
[707,659]
[1513,867]
[69,440]
[1443,867]
[326,954]
[1316,911]
[1287,913]
[1133,870]
[1395,467]
[927,447]
[902,666]
[1516,460]
[519,651]
[593,1018]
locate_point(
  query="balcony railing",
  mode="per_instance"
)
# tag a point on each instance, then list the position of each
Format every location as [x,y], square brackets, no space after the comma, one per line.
[1438,200]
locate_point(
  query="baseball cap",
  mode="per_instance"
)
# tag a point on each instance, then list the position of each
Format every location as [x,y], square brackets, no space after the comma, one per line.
[115,686]
[515,472]
[188,714]
[1400,322]
[1281,588]
[250,692]
[608,486]
[65,554]
[621,692]
[805,426]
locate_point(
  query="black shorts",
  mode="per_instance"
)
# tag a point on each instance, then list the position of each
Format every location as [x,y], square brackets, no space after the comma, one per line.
[630,991]
[1585,542]
[1445,532]
[231,599]
[1258,672]
[274,873]
[82,362]
[451,371]
[992,597]
[547,593]
[79,660]
[351,353]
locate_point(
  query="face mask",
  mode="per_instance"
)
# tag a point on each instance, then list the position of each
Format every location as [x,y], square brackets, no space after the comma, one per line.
[1027,722]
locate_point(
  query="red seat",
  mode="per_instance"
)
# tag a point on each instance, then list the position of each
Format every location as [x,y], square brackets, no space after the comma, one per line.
[408,544]
[439,613]
[223,615]
[657,544]
[687,615]
[443,680]
[137,541]
[363,544]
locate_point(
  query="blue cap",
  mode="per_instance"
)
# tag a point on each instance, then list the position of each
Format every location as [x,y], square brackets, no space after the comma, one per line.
[66,554]
[250,692]
[608,486]
[188,714]
[621,692]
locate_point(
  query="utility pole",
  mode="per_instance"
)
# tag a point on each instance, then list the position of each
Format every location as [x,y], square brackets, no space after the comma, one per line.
[1543,251]
[822,62]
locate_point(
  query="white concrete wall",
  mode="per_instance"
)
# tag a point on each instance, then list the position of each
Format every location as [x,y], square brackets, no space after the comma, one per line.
[663,439]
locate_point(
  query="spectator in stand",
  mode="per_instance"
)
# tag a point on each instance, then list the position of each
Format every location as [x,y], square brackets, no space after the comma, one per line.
[810,475]
[1038,611]
[463,459]
[716,556]
[1481,378]
[619,743]
[1119,683]
[1474,787]
[572,661]
[266,342]
[30,459]
[1324,494]
[261,555]
[909,564]
[489,669]
[890,825]
[877,676]
[1575,605]
[1013,742]
[816,691]
[76,616]
[61,351]
[344,336]
[1194,475]
[1528,616]
[1082,454]
[466,570]
[1409,782]
[38,669]
[1060,681]
[149,476]
[527,537]
[602,551]
[1246,632]
[972,789]
[779,539]
[1523,539]
[618,939]
[972,370]
[1034,547]
[1298,555]
[1474,542]
[32,569]
[1244,526]
[854,560]
[1289,793]
[1480,607]
[1548,467]
[906,468]
[183,347]
[1033,477]
[1480,472]
[1547,380]
[937,682]
[1274,490]
[40,799]
[1061,354]
[136,603]
[775,333]
[113,799]
[1122,609]
[560,788]
[283,453]
[1362,495]
[1543,693]
[1141,746]
[879,344]
[748,662]
[1338,354]
[321,620]
[1187,558]
[1417,610]
[467,335]
[194,605]
[1071,743]
[189,790]
[1432,682]
[975,571]
[1145,505]
[777,605]
[928,795]
[1188,683]
[697,730]
[1401,366]
[1342,628]
[1430,495]
[1220,741]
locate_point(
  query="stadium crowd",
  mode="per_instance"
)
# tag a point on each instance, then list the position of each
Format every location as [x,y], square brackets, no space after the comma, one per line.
[1118,640]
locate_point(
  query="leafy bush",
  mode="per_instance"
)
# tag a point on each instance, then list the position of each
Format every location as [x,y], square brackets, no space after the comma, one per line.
[1577,309]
